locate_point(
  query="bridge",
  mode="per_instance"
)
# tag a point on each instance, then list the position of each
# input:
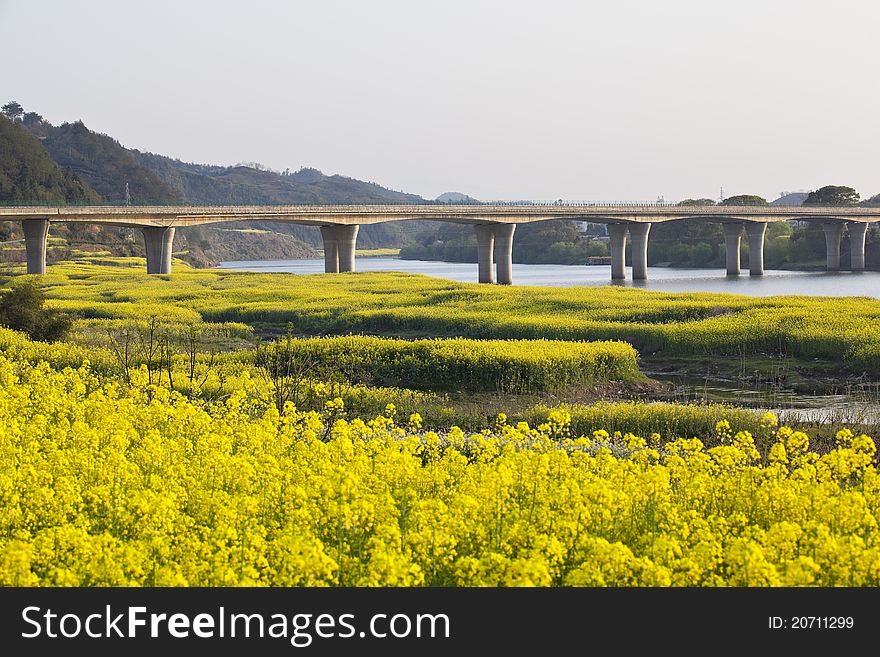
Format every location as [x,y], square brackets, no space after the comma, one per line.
[494,225]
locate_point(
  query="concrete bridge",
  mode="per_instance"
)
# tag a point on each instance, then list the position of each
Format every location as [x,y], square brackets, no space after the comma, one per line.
[494,225]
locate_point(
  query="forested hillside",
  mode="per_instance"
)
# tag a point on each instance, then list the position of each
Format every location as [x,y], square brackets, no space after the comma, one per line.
[28,173]
[107,165]
[72,164]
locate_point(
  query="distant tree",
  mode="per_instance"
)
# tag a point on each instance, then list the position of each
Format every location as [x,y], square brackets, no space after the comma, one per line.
[21,309]
[13,110]
[32,118]
[744,199]
[833,195]
[696,201]
[542,242]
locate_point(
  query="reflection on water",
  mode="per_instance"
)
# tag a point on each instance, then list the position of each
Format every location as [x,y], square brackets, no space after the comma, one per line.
[857,407]
[664,279]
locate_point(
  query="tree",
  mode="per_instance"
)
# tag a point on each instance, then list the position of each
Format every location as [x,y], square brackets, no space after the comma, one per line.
[833,195]
[21,309]
[31,118]
[744,199]
[13,110]
[695,201]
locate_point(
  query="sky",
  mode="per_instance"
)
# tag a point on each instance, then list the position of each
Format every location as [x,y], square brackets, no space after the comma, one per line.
[628,100]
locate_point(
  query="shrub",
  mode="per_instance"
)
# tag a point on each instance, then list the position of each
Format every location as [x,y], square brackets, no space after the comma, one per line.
[22,308]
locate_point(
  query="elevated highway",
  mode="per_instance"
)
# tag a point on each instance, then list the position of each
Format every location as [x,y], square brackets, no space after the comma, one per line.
[494,224]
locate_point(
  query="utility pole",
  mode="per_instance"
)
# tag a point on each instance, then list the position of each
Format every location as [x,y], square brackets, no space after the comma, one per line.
[721,195]
[127,194]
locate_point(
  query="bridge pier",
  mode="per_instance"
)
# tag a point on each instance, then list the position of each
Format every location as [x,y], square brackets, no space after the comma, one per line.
[495,243]
[857,232]
[833,233]
[346,246]
[639,235]
[331,249]
[158,241]
[504,252]
[756,231]
[732,247]
[340,243]
[617,250]
[485,253]
[36,232]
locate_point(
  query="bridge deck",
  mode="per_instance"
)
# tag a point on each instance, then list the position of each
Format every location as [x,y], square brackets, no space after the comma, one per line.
[472,214]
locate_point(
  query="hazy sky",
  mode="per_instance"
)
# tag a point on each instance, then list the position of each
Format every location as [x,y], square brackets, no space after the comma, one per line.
[622,100]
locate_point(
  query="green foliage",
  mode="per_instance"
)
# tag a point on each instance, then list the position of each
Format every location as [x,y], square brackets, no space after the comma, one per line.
[744,199]
[13,110]
[22,309]
[239,185]
[511,366]
[836,328]
[207,184]
[32,118]
[556,242]
[106,165]
[667,419]
[696,201]
[687,243]
[807,244]
[833,195]
[27,172]
[447,242]
[544,242]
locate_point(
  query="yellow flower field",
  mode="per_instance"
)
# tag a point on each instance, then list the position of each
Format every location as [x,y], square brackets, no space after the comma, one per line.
[108,485]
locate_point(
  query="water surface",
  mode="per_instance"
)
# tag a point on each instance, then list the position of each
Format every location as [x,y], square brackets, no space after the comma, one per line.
[666,279]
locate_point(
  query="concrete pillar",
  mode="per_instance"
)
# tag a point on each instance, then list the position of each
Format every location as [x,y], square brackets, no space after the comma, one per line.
[857,231]
[346,246]
[504,252]
[158,241]
[485,248]
[35,233]
[833,233]
[756,230]
[732,247]
[639,235]
[617,250]
[331,249]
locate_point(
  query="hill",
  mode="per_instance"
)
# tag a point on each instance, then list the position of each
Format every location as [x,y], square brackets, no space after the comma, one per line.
[208,184]
[203,184]
[106,165]
[28,173]
[791,198]
[455,197]
[90,167]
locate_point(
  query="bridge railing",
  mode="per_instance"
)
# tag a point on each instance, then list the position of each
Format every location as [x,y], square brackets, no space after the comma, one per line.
[166,203]
[135,205]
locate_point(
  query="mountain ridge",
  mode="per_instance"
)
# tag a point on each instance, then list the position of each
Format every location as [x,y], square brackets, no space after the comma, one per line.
[103,170]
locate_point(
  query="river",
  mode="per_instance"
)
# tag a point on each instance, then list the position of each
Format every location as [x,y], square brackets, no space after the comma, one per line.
[665,279]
